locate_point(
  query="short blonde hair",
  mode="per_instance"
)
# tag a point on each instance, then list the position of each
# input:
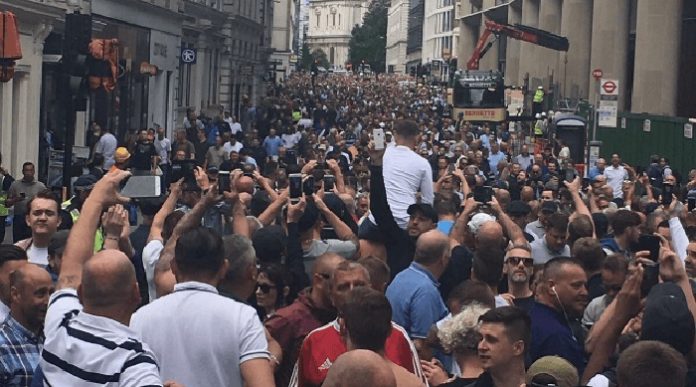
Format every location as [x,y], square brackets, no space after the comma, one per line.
[461,333]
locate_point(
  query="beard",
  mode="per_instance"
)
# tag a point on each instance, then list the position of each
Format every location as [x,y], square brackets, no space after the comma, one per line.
[519,277]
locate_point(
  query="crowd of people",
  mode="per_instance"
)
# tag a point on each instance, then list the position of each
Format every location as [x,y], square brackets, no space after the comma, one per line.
[456,254]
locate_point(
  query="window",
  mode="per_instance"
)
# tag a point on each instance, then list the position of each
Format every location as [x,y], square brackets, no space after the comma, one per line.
[318,20]
[334,19]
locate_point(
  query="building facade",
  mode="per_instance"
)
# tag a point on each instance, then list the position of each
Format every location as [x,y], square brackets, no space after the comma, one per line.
[646,45]
[438,37]
[397,35]
[284,38]
[330,25]
[227,44]
[414,35]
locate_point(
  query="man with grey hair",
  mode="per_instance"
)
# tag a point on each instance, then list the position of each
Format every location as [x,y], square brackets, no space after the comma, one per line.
[239,282]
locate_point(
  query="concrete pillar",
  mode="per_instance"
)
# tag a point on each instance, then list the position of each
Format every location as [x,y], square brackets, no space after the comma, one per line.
[512,60]
[467,42]
[549,20]
[610,43]
[658,42]
[576,25]
[528,52]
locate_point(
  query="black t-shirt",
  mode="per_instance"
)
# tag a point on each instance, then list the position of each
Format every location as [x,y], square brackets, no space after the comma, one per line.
[142,156]
[525,303]
[595,288]
[458,270]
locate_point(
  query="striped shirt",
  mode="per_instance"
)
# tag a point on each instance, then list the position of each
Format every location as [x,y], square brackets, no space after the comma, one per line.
[200,337]
[84,350]
[19,354]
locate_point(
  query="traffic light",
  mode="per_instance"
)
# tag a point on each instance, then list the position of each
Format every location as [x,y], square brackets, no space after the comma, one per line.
[78,34]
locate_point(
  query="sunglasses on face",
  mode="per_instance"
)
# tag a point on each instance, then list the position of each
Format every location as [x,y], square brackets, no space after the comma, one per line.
[265,288]
[529,262]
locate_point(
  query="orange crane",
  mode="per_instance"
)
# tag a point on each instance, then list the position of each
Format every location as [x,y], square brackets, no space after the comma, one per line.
[524,33]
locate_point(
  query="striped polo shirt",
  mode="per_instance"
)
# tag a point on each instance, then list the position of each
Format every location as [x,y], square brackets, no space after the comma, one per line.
[82,349]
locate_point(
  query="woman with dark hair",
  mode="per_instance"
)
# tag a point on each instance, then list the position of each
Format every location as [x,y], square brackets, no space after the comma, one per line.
[271,290]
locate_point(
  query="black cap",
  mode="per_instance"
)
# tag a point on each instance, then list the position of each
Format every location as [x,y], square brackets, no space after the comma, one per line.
[549,207]
[85,182]
[425,209]
[518,208]
[666,318]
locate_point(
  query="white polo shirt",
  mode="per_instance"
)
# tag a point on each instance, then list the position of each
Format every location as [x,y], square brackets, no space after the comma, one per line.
[615,178]
[201,338]
[83,349]
[405,173]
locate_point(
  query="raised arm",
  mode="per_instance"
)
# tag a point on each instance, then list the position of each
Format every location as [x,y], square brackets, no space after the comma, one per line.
[459,230]
[167,208]
[580,207]
[512,230]
[379,207]
[263,183]
[271,212]
[117,230]
[77,252]
[336,169]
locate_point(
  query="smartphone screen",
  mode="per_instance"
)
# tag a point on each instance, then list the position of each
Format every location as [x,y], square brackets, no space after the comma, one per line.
[667,192]
[224,181]
[650,243]
[569,175]
[329,183]
[142,187]
[483,194]
[295,186]
[378,136]
[308,185]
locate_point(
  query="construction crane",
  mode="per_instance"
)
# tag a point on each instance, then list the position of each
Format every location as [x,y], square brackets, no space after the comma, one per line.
[524,33]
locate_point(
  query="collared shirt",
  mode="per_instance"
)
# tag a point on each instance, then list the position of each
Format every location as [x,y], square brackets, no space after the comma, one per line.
[494,159]
[19,354]
[324,345]
[405,174]
[416,301]
[535,229]
[200,337]
[551,335]
[542,253]
[4,312]
[85,350]
[524,161]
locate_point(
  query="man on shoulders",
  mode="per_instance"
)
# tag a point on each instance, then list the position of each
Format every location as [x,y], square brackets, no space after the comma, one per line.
[21,335]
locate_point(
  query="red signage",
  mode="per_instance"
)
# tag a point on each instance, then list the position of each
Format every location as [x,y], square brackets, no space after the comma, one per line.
[609,87]
[597,73]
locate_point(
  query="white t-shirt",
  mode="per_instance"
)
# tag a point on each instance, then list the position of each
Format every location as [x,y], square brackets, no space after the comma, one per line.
[107,147]
[163,147]
[405,174]
[290,140]
[228,147]
[615,178]
[151,254]
[38,255]
[235,127]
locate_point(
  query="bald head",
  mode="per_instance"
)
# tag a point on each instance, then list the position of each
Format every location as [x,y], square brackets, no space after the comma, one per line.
[28,273]
[489,234]
[360,368]
[108,280]
[31,286]
[245,184]
[326,264]
[430,247]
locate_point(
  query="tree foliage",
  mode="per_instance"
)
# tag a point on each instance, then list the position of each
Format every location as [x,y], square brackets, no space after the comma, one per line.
[320,57]
[369,41]
[306,58]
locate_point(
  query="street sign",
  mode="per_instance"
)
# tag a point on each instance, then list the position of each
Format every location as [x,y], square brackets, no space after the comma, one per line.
[609,87]
[597,73]
[608,109]
[188,55]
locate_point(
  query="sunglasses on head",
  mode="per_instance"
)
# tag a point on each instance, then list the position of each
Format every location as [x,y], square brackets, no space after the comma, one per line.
[529,262]
[265,288]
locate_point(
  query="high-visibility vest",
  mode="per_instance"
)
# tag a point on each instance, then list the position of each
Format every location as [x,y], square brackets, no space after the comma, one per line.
[539,96]
[75,215]
[538,129]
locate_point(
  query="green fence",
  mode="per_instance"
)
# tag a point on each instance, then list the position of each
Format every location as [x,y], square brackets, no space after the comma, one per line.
[635,144]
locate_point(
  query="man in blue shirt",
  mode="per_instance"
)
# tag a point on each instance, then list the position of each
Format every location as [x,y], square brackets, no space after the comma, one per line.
[598,169]
[21,335]
[413,294]
[561,297]
[271,143]
[495,157]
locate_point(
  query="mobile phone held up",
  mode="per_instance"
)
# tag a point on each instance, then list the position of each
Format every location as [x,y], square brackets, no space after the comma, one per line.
[483,194]
[136,187]
[295,187]
[378,138]
[667,192]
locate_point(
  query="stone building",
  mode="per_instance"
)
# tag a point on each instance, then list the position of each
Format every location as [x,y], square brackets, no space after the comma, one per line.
[330,25]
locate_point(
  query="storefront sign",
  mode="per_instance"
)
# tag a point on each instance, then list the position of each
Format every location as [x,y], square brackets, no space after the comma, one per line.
[489,115]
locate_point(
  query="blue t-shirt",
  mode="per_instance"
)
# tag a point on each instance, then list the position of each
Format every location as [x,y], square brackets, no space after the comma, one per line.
[445,226]
[551,335]
[271,145]
[415,300]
